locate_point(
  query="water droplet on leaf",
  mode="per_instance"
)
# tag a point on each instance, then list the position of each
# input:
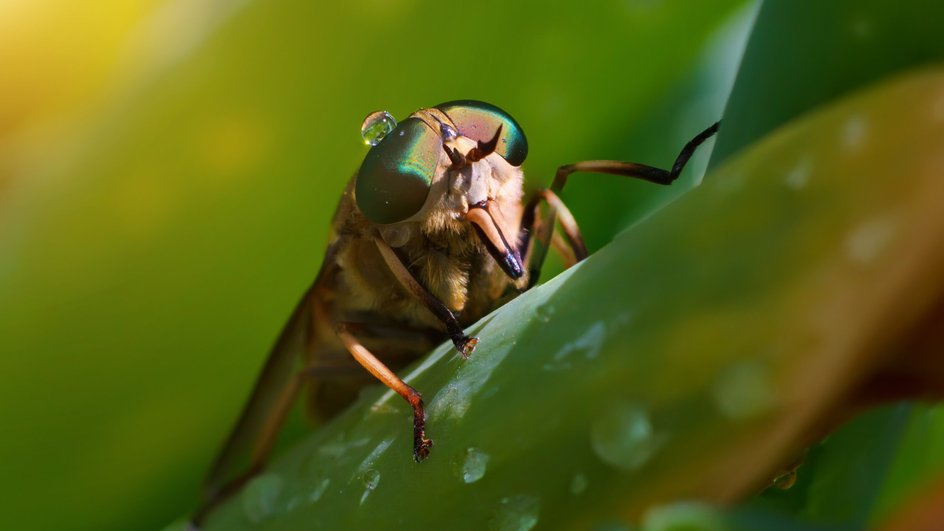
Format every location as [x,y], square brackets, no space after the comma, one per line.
[588,344]
[471,465]
[376,126]
[578,484]
[371,479]
[744,390]
[319,490]
[799,175]
[691,516]
[260,496]
[867,241]
[785,481]
[624,436]
[516,513]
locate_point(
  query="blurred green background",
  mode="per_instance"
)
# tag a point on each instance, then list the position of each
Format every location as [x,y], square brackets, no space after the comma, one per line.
[168,170]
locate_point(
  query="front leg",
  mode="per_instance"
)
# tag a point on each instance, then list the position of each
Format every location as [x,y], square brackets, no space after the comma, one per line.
[421,444]
[534,257]
[464,344]
[557,211]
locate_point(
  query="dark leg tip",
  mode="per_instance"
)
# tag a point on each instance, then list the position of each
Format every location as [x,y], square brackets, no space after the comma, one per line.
[467,345]
[421,448]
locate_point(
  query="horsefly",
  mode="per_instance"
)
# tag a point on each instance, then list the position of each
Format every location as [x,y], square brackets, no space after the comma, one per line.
[430,235]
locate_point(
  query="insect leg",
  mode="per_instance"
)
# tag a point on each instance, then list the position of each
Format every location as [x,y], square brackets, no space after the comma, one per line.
[545,232]
[464,344]
[563,249]
[380,371]
[557,210]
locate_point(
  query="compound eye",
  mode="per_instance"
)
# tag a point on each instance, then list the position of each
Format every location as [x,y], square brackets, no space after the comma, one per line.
[395,177]
[479,121]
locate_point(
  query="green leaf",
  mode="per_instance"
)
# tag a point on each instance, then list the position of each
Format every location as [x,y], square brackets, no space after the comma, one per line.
[168,171]
[802,54]
[687,359]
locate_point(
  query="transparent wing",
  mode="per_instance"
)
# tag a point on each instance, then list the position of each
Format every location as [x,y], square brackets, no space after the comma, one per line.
[276,389]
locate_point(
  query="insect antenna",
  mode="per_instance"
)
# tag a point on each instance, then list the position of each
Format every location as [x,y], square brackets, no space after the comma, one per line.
[484,149]
[458,159]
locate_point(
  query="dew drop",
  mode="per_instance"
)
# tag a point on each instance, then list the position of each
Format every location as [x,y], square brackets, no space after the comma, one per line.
[578,484]
[691,516]
[588,344]
[294,502]
[799,175]
[260,496]
[544,312]
[854,131]
[376,126]
[370,478]
[516,513]
[319,490]
[744,391]
[785,481]
[471,465]
[452,402]
[340,446]
[867,241]
[624,436]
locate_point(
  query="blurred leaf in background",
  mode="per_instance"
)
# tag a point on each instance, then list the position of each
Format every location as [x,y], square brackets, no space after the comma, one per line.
[802,56]
[168,170]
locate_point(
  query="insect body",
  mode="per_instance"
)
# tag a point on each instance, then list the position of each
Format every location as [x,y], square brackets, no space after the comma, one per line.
[430,235]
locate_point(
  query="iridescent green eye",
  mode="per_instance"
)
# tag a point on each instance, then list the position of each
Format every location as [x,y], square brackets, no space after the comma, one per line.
[396,174]
[479,121]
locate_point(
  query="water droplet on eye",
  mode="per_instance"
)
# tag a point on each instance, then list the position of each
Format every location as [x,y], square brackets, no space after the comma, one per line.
[260,496]
[624,436]
[471,465]
[691,516]
[516,513]
[744,390]
[376,126]
[578,484]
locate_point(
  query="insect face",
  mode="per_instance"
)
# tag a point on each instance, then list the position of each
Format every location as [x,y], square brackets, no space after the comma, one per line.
[466,150]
